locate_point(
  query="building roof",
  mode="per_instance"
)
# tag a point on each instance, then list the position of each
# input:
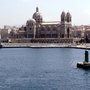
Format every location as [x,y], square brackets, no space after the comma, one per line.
[51,23]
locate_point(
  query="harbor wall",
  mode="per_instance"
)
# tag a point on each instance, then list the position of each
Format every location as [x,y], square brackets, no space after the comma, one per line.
[44,45]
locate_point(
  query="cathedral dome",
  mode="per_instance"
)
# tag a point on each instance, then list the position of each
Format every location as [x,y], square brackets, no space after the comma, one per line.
[31,22]
[37,16]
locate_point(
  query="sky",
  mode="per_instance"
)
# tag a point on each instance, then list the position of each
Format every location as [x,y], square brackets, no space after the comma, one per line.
[17,12]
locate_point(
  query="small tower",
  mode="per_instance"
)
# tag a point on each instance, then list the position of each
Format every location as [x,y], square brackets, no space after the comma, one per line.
[69,25]
[31,28]
[86,63]
[68,17]
[63,17]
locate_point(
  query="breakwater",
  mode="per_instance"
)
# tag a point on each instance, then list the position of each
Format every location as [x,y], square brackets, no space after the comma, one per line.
[44,45]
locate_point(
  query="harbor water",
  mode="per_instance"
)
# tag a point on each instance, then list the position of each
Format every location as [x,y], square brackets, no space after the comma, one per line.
[42,69]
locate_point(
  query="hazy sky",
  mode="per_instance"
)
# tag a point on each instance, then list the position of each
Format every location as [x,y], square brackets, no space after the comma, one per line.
[17,12]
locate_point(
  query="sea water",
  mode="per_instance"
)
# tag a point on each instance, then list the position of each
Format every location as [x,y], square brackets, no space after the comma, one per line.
[42,69]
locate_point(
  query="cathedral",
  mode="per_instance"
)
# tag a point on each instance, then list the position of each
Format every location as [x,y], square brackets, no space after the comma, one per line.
[38,31]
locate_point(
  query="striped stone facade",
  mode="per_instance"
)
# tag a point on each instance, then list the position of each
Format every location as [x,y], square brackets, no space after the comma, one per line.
[38,30]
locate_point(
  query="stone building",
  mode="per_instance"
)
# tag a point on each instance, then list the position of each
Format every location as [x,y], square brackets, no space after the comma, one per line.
[37,30]
[78,31]
[81,31]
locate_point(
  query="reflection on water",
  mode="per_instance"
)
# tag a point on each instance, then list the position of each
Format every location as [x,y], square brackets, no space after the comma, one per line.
[42,69]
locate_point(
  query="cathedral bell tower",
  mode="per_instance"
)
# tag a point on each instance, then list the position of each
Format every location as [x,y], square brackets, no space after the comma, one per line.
[65,30]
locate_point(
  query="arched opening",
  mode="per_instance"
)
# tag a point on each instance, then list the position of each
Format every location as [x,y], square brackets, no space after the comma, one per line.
[68,32]
[62,36]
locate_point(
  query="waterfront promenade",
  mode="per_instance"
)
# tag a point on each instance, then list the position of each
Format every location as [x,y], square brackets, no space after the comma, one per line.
[44,45]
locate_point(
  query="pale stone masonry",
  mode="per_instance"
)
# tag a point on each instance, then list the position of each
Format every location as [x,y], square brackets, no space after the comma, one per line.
[38,31]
